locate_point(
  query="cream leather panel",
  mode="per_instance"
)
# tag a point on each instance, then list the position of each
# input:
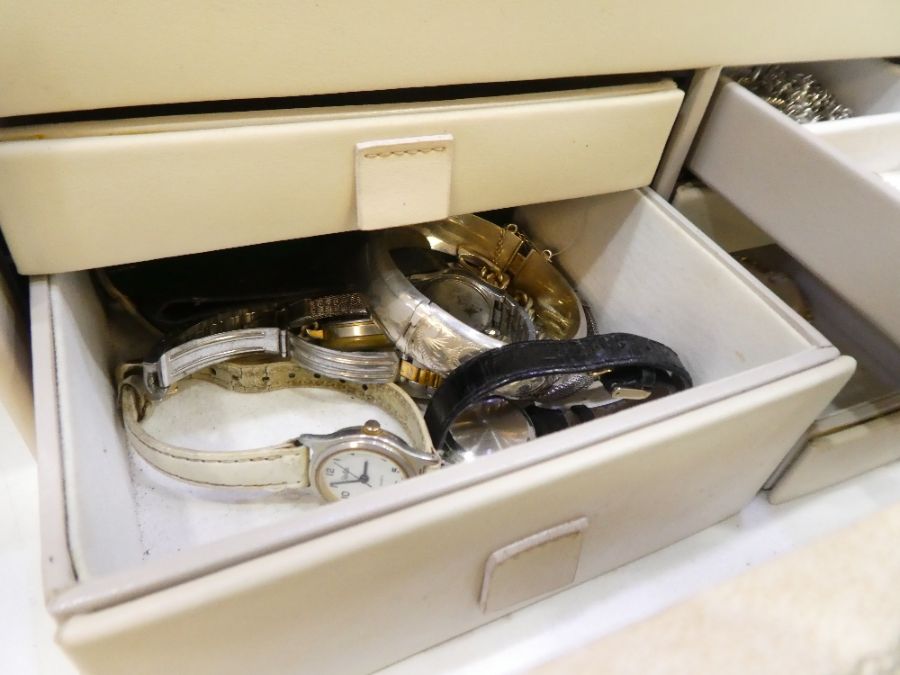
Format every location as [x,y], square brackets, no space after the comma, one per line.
[833,458]
[407,180]
[89,54]
[658,484]
[100,194]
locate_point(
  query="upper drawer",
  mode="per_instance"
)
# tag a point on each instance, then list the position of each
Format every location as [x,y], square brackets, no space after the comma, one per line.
[88,195]
[86,54]
[820,190]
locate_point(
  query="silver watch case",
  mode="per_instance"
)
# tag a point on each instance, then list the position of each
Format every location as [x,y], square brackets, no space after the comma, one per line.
[477,304]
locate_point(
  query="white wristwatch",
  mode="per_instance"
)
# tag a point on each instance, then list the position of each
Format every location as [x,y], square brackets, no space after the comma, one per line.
[348,462]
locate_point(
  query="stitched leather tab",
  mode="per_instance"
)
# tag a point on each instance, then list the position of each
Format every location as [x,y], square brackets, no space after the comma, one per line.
[534,566]
[403,181]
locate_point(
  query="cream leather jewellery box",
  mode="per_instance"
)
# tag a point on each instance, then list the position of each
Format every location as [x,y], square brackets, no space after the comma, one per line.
[831,188]
[442,553]
[146,576]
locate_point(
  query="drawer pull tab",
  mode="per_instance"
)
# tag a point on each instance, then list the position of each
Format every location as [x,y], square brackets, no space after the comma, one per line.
[403,181]
[531,567]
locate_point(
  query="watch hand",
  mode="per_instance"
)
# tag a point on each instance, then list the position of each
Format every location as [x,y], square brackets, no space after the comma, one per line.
[343,468]
[364,476]
[342,482]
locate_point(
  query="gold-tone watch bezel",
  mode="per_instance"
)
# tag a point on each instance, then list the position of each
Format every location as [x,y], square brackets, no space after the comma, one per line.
[376,444]
[362,334]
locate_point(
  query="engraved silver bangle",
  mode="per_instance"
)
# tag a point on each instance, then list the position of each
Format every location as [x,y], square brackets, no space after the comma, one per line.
[432,337]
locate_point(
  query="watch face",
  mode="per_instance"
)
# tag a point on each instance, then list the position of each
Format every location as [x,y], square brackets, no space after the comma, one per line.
[486,427]
[352,472]
[466,299]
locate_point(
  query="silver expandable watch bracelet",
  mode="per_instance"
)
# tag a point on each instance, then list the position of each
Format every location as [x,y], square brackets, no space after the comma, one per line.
[274,332]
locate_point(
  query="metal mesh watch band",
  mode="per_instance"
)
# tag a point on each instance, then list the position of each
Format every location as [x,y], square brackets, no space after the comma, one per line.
[797,94]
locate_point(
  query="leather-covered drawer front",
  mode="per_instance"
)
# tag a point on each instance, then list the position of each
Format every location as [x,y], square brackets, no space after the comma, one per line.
[831,211]
[143,53]
[416,574]
[95,194]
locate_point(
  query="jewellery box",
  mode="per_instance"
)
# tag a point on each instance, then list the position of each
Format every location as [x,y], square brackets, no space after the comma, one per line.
[247,126]
[829,188]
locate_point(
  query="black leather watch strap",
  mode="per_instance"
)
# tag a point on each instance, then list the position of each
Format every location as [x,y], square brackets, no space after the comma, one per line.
[621,361]
[546,420]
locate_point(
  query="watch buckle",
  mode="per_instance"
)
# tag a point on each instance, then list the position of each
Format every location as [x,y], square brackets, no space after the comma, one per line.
[314,332]
[623,392]
[130,376]
[629,393]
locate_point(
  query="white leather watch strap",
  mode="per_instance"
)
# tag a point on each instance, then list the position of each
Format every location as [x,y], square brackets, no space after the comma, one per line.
[285,465]
[259,377]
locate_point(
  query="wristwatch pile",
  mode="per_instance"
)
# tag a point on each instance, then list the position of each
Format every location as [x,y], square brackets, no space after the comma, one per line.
[798,95]
[463,332]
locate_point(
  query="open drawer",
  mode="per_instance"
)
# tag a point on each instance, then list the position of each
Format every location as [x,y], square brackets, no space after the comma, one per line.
[860,429]
[147,578]
[91,194]
[817,189]
[870,139]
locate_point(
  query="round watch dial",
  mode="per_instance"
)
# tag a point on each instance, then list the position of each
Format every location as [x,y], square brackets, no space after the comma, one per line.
[486,427]
[461,298]
[353,472]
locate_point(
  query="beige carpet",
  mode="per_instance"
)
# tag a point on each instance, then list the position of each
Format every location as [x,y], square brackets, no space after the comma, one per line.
[830,607]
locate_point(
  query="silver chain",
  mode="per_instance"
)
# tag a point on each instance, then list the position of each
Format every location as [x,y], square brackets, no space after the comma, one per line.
[798,95]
